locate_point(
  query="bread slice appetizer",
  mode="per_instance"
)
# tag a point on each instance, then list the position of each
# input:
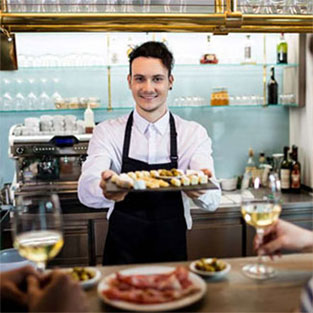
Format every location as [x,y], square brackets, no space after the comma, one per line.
[175,182]
[185,181]
[203,179]
[194,179]
[124,181]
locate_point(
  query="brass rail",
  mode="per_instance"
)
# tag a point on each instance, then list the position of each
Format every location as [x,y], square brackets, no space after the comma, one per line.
[98,22]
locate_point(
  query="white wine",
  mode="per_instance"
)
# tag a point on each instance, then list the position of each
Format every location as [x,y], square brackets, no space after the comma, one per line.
[260,214]
[39,246]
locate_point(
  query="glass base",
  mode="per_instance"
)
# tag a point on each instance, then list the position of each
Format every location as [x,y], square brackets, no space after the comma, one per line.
[258,271]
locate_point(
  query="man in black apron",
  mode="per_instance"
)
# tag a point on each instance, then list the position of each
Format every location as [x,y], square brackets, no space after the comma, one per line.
[149,226]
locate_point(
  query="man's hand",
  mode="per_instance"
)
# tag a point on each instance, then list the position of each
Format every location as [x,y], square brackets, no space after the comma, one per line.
[60,293]
[194,194]
[115,196]
[11,284]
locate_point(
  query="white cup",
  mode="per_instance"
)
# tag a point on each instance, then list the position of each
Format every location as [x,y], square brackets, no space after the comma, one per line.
[229,184]
[32,122]
[58,122]
[10,259]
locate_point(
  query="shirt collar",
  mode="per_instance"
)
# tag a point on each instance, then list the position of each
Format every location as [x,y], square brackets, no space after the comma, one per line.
[160,125]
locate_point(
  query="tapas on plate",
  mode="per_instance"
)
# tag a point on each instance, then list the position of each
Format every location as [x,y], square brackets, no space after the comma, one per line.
[210,267]
[151,288]
[86,276]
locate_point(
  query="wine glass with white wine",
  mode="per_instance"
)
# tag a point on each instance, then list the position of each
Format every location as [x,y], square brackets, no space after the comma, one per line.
[260,208]
[37,228]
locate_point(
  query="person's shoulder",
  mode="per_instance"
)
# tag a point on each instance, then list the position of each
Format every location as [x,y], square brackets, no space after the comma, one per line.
[186,125]
[112,122]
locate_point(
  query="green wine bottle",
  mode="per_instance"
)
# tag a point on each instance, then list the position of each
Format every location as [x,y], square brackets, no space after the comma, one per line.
[282,50]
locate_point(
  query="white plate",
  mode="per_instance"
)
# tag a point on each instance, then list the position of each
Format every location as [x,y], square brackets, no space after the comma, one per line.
[147,270]
[86,284]
[222,273]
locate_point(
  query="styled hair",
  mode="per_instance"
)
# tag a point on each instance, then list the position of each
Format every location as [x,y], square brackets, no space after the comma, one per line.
[153,49]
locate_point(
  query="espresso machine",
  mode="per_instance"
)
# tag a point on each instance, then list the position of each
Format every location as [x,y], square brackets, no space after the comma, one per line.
[47,163]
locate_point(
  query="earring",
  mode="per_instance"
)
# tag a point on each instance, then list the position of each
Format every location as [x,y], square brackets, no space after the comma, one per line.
[171,88]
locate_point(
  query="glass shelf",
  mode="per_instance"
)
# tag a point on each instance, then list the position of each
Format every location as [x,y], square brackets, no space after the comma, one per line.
[177,65]
[171,107]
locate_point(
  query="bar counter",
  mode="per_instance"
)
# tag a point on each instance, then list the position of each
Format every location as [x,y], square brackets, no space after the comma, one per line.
[237,293]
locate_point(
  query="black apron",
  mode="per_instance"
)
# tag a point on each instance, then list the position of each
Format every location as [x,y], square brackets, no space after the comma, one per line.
[147,227]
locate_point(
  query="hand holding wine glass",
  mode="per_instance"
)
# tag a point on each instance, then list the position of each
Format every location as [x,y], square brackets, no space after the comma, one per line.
[284,235]
[260,209]
[37,228]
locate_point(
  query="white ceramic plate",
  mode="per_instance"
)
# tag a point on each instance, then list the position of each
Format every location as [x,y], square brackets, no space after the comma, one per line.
[86,284]
[222,273]
[173,305]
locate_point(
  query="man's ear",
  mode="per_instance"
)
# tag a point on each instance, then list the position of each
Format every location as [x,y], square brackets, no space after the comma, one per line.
[129,79]
[171,80]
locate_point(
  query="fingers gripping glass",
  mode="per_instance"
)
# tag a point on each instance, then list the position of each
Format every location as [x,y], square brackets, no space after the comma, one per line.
[260,208]
[37,228]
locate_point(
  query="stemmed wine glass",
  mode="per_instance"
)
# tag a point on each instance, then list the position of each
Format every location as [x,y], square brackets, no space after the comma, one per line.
[260,208]
[37,228]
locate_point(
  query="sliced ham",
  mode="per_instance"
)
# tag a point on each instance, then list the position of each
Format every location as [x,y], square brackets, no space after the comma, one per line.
[150,289]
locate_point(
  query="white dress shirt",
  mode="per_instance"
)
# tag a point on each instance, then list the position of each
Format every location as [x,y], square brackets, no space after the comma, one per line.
[150,143]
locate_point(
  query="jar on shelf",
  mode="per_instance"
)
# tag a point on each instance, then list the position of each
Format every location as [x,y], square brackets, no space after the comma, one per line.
[219,96]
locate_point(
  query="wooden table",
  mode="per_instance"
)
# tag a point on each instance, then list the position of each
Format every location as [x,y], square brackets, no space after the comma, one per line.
[237,293]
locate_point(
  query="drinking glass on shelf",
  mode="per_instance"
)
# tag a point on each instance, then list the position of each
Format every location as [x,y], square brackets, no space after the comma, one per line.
[45,102]
[260,208]
[291,7]
[19,102]
[7,102]
[278,6]
[37,228]
[252,6]
[31,101]
[302,6]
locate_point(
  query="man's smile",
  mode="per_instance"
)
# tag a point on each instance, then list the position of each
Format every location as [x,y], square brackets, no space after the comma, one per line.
[148,97]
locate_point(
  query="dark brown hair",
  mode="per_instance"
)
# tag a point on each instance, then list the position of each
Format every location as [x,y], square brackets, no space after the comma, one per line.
[153,49]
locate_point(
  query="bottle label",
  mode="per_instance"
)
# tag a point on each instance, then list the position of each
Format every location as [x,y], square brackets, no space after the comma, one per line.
[295,180]
[247,52]
[285,178]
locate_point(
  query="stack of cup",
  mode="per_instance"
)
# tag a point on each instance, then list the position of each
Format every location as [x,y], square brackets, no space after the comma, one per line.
[70,124]
[46,124]
[31,126]
[58,124]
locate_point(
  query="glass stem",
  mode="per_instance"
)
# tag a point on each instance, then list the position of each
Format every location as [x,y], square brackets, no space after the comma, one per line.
[41,267]
[260,234]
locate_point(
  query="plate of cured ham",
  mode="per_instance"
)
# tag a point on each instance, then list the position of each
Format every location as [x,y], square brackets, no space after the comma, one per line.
[151,288]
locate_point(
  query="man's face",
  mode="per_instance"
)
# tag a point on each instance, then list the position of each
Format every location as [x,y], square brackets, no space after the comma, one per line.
[149,83]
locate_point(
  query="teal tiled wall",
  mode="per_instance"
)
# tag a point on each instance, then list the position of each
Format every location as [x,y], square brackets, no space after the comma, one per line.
[232,130]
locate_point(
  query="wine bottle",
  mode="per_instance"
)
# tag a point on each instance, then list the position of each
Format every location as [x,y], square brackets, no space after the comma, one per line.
[282,50]
[250,165]
[295,175]
[247,50]
[262,160]
[285,172]
[272,88]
